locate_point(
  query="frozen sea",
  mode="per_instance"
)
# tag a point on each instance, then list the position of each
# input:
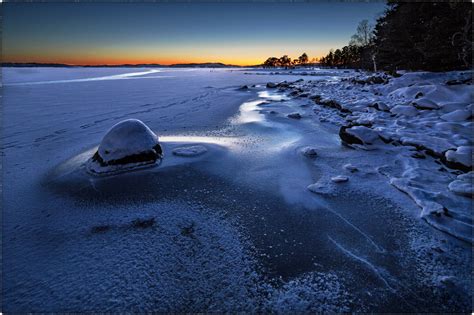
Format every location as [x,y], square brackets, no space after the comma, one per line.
[233,229]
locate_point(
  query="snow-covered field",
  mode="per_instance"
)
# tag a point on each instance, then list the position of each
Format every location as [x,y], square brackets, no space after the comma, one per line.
[256,204]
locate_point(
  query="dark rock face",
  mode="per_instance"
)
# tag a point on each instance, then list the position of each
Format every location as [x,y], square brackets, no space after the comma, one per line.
[425,105]
[283,85]
[147,156]
[419,94]
[455,165]
[294,115]
[371,80]
[271,85]
[418,155]
[143,223]
[457,82]
[380,106]
[347,137]
[316,98]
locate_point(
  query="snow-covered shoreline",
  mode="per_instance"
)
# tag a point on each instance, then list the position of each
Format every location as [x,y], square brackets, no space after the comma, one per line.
[423,119]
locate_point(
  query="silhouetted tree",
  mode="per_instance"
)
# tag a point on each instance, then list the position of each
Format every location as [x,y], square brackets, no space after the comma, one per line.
[272,62]
[303,59]
[285,61]
[364,34]
[435,36]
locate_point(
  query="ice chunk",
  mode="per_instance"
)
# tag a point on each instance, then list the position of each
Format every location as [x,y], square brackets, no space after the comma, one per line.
[462,188]
[351,168]
[424,103]
[463,185]
[457,115]
[194,150]
[339,179]
[404,110]
[462,155]
[128,144]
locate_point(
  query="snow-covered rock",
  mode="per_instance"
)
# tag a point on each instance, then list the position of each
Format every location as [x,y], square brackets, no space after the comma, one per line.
[310,152]
[322,186]
[351,168]
[339,179]
[189,151]
[271,85]
[404,110]
[127,145]
[463,185]
[359,135]
[457,115]
[462,188]
[294,115]
[424,103]
[461,158]
[381,106]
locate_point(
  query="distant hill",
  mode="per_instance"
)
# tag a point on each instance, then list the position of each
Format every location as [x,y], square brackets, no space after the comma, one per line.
[144,65]
[203,65]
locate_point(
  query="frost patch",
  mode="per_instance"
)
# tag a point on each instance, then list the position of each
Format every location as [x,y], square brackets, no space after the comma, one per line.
[194,150]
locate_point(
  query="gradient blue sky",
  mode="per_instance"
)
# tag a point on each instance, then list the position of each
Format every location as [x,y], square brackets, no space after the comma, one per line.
[241,33]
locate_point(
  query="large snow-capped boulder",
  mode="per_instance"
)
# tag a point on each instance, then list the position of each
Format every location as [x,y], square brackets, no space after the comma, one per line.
[358,135]
[127,145]
[461,158]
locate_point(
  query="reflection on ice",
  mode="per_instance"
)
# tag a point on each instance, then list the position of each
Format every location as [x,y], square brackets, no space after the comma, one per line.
[272,96]
[130,75]
[250,112]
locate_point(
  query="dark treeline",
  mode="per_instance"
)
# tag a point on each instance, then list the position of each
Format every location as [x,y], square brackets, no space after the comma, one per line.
[434,36]
[286,61]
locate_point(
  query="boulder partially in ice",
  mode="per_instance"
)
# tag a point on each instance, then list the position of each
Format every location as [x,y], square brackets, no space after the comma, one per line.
[339,179]
[462,188]
[425,103]
[310,152]
[294,115]
[271,85]
[127,145]
[358,135]
[321,187]
[461,158]
[381,106]
[190,151]
[463,185]
[351,168]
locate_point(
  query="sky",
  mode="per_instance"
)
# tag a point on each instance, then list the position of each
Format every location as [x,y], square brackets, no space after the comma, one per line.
[242,33]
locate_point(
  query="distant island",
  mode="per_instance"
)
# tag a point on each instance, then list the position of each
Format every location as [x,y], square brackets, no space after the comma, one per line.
[149,65]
